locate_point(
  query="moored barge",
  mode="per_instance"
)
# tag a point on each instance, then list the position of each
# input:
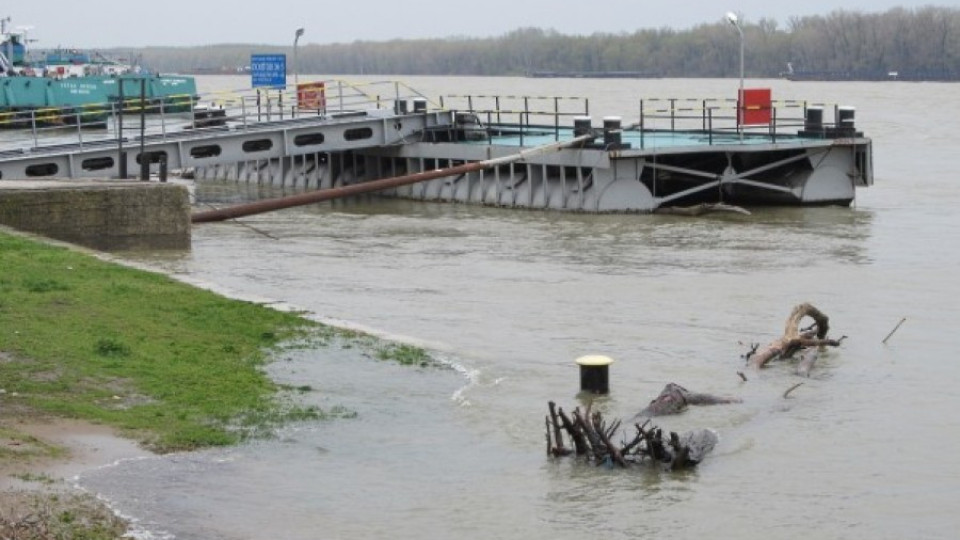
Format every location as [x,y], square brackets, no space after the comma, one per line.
[679,152]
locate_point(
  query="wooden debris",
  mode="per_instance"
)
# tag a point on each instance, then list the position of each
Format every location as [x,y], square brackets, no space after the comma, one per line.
[673,399]
[701,209]
[791,389]
[892,332]
[794,339]
[648,445]
[554,422]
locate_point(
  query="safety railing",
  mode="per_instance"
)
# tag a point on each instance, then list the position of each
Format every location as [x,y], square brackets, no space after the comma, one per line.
[521,115]
[714,119]
[35,129]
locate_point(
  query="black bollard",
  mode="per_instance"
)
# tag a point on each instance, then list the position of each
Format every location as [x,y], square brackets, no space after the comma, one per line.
[163,166]
[581,126]
[123,165]
[595,373]
[145,158]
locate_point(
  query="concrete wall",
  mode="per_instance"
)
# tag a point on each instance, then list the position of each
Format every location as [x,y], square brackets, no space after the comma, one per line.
[105,215]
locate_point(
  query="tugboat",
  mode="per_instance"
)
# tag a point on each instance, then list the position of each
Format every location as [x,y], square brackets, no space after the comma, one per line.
[68,87]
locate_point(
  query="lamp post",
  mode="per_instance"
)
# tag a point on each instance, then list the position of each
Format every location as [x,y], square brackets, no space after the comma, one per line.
[296,63]
[735,21]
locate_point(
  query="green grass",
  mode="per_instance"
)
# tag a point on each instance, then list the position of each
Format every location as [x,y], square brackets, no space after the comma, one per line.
[20,447]
[177,367]
[406,355]
[34,477]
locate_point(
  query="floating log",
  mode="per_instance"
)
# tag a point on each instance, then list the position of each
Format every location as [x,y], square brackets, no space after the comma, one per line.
[674,399]
[701,209]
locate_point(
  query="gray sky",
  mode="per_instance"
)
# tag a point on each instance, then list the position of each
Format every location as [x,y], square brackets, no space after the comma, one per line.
[102,23]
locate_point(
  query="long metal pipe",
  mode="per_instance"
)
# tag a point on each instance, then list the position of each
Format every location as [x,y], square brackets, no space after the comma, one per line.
[301,199]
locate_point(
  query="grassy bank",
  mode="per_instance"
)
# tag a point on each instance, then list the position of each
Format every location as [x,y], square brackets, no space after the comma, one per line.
[173,366]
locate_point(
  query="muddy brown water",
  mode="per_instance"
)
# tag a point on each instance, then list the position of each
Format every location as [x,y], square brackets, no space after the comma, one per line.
[510,298]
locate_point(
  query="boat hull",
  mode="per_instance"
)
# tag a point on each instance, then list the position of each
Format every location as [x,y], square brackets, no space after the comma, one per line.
[93,95]
[591,180]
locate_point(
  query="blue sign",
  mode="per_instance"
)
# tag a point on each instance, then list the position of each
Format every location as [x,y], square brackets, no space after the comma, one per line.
[268,70]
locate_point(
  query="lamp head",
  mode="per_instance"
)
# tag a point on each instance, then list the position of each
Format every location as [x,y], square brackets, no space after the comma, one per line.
[299,32]
[733,19]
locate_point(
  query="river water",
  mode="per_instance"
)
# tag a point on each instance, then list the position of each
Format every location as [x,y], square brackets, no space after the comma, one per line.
[509,298]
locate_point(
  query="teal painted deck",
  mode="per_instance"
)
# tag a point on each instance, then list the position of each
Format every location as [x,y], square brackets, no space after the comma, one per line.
[643,140]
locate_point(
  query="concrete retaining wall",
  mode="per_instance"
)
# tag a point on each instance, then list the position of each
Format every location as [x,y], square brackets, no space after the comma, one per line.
[105,215]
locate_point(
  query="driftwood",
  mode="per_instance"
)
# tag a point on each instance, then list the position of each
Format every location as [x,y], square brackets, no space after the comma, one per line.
[894,331]
[647,446]
[795,339]
[674,399]
[791,389]
[700,209]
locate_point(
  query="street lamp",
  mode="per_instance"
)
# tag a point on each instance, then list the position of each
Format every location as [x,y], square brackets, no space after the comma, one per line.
[735,21]
[296,63]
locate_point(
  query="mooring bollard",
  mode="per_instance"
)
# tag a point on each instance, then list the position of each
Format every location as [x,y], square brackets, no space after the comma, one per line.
[163,166]
[581,126]
[595,373]
[145,158]
[122,165]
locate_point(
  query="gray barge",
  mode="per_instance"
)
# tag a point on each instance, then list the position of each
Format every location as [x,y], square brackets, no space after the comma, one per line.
[676,153]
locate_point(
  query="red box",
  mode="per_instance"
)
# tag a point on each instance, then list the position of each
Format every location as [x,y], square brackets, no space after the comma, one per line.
[754,107]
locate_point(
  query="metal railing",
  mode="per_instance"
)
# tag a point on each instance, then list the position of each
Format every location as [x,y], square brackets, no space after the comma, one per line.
[35,129]
[530,112]
[708,117]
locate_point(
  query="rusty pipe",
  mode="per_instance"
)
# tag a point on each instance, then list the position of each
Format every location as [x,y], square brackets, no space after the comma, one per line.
[300,199]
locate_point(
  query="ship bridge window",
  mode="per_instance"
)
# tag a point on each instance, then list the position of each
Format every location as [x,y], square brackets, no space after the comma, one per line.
[206,151]
[357,134]
[43,169]
[97,164]
[308,139]
[257,145]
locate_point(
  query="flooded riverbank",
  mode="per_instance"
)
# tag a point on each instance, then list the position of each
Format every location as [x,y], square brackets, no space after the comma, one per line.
[510,298]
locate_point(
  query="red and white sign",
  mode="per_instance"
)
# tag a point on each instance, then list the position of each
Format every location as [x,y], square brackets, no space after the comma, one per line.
[311,96]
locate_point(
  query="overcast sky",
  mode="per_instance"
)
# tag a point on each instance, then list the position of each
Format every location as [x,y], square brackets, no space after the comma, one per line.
[102,23]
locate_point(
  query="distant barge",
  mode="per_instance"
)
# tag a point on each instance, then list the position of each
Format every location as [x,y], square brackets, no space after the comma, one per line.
[911,75]
[593,75]
[69,87]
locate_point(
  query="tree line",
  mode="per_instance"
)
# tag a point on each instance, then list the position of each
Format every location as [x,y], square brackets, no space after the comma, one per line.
[922,39]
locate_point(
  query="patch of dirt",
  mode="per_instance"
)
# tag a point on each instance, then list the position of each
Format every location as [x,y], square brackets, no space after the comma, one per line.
[87,446]
[40,516]
[38,455]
